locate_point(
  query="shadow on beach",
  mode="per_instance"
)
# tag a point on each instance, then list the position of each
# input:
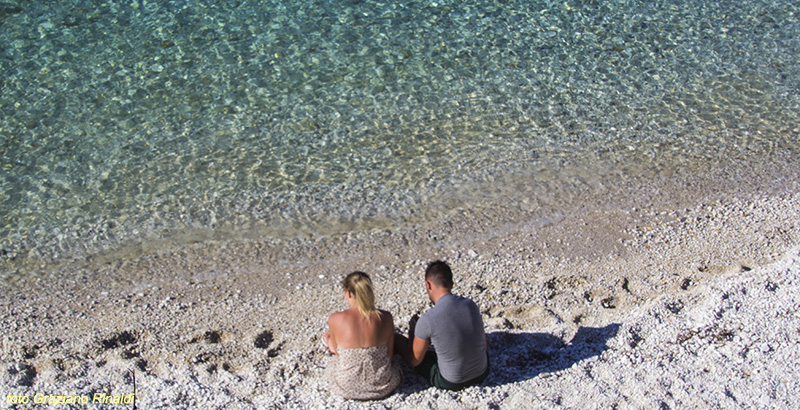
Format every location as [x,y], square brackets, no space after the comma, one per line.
[516,357]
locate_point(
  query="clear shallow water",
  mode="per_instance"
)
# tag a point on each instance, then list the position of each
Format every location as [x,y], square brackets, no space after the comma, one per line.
[125,121]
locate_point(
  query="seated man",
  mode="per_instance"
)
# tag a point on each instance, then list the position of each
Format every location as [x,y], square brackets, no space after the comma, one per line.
[454,327]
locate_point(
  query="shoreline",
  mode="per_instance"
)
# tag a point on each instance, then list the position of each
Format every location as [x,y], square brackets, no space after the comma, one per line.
[611,289]
[534,201]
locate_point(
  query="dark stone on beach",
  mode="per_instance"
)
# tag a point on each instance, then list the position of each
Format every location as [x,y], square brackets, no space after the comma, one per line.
[609,303]
[551,285]
[635,338]
[275,351]
[30,352]
[720,336]
[22,374]
[212,337]
[120,339]
[686,283]
[263,340]
[675,307]
[202,358]
[140,363]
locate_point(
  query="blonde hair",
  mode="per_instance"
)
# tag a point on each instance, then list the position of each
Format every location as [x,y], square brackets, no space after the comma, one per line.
[359,284]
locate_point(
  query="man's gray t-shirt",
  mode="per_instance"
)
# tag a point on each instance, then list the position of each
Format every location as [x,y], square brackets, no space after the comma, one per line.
[455,329]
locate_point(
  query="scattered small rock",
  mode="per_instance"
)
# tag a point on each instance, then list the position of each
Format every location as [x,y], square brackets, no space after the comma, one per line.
[674,306]
[625,285]
[212,336]
[22,374]
[263,340]
[123,338]
[609,302]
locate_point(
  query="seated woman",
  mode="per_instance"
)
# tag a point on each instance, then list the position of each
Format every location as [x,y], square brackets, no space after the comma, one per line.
[362,341]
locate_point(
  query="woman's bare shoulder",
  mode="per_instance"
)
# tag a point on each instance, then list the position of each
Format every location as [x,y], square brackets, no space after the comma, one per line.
[337,317]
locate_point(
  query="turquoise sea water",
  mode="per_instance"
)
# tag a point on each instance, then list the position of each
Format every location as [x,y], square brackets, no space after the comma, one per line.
[127,121]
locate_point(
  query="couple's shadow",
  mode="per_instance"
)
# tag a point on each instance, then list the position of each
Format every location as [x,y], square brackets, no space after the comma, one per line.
[515,357]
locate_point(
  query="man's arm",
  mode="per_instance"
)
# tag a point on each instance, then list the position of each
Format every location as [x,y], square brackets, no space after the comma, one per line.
[412,348]
[418,350]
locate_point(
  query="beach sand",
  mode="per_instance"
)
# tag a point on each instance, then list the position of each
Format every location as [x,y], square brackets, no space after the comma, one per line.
[676,293]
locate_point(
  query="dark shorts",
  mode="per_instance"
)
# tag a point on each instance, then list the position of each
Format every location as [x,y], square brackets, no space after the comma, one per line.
[429,369]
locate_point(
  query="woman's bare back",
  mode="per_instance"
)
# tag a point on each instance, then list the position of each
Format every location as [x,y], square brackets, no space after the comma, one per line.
[349,330]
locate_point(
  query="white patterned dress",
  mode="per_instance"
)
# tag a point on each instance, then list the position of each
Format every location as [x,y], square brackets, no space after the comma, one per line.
[363,373]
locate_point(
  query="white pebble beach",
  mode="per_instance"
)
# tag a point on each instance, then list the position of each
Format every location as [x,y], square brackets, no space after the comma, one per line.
[670,302]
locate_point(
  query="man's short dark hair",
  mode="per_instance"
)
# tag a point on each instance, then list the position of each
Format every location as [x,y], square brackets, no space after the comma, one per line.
[439,273]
